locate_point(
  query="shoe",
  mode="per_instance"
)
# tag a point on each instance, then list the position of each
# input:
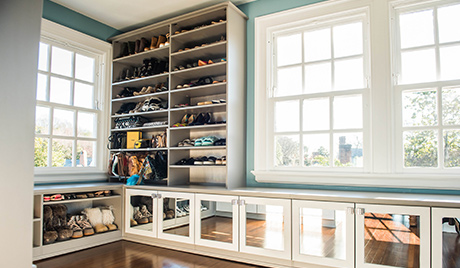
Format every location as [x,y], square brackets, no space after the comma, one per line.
[138,217]
[201,63]
[131,48]
[144,45]
[199,141]
[198,121]
[108,218]
[84,224]
[132,222]
[209,141]
[200,161]
[136,46]
[123,50]
[94,216]
[153,43]
[146,213]
[77,232]
[220,142]
[210,161]
[161,41]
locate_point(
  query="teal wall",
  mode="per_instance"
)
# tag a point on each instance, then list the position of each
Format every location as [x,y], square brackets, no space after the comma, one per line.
[261,8]
[77,21]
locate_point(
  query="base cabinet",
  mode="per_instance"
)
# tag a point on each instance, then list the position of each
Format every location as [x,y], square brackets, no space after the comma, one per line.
[392,236]
[140,212]
[445,236]
[323,233]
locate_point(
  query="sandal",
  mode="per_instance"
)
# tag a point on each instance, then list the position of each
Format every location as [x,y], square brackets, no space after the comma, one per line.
[99,194]
[208,141]
[56,197]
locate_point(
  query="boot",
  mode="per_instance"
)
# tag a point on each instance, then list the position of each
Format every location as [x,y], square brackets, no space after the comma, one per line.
[137,46]
[123,50]
[153,43]
[84,224]
[138,217]
[131,48]
[143,71]
[146,213]
[161,41]
[72,224]
[144,45]
[94,216]
[108,218]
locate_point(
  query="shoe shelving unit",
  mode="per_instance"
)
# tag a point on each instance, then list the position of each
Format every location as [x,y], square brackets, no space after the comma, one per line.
[75,206]
[216,33]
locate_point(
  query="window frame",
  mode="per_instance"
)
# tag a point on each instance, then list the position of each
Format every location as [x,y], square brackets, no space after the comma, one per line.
[382,170]
[63,37]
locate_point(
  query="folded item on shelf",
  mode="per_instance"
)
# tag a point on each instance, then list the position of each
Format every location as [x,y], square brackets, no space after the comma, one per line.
[156,123]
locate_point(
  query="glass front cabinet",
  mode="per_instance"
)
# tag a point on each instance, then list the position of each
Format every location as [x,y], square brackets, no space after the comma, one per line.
[265,226]
[140,212]
[445,231]
[392,236]
[323,233]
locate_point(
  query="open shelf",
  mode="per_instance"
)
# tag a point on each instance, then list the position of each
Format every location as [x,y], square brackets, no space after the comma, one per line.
[215,69]
[140,97]
[185,148]
[138,82]
[139,150]
[81,200]
[161,53]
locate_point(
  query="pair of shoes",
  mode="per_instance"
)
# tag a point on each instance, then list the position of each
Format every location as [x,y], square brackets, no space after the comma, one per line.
[186,120]
[220,142]
[202,119]
[221,161]
[127,92]
[186,143]
[211,160]
[125,108]
[187,162]
[160,87]
[152,104]
[206,141]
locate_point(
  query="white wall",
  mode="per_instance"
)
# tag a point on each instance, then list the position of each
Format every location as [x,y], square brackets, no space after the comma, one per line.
[19,37]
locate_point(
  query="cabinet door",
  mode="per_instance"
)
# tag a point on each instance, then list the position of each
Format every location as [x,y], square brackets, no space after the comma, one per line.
[176,216]
[140,212]
[267,233]
[392,236]
[216,221]
[323,233]
[445,235]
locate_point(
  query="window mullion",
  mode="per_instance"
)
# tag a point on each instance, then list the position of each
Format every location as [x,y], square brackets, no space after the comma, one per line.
[436,42]
[440,130]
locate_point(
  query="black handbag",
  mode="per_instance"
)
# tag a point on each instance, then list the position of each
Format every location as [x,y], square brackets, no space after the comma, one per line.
[129,122]
[117,140]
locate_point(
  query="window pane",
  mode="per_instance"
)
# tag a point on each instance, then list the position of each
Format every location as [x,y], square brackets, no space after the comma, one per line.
[349,74]
[316,114]
[348,149]
[348,112]
[287,150]
[86,152]
[289,81]
[63,122]
[448,21]
[348,39]
[42,120]
[41,152]
[289,49]
[416,28]
[287,116]
[450,62]
[452,148]
[61,152]
[84,95]
[84,68]
[43,57]
[451,106]
[418,66]
[318,77]
[61,61]
[419,108]
[316,150]
[42,82]
[86,124]
[317,45]
[420,149]
[60,91]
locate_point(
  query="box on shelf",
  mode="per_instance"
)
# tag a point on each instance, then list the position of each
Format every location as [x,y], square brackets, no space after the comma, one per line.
[132,137]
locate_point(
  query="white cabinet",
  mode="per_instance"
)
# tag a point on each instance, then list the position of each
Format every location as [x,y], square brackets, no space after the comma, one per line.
[323,233]
[217,225]
[140,212]
[267,233]
[176,216]
[392,236]
[445,237]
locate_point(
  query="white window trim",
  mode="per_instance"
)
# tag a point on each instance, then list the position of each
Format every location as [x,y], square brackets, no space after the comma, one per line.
[382,168]
[69,37]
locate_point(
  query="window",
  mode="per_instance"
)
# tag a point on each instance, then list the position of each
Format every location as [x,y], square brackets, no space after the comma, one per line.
[70,117]
[359,93]
[428,86]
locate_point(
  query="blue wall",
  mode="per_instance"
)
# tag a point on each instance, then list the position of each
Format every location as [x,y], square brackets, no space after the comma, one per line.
[77,21]
[261,8]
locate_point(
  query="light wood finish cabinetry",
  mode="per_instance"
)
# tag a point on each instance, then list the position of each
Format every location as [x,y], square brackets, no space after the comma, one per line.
[217,33]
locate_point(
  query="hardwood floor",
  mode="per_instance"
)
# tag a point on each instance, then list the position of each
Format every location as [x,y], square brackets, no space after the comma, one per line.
[124,254]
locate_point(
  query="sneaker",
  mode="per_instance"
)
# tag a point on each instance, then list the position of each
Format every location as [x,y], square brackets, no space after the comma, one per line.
[72,224]
[146,213]
[138,217]
[84,224]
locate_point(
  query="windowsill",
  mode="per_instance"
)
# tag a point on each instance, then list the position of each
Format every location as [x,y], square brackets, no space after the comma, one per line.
[413,181]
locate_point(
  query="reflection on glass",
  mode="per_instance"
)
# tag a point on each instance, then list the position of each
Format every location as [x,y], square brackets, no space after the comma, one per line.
[84,68]
[416,28]
[316,150]
[317,45]
[348,149]
[420,108]
[288,81]
[86,152]
[41,152]
[42,120]
[289,49]
[61,61]
[141,211]
[392,240]
[287,150]
[176,218]
[63,122]
[216,221]
[418,66]
[348,39]
[448,21]
[420,148]
[287,116]
[450,106]
[61,153]
[322,233]
[265,227]
[450,239]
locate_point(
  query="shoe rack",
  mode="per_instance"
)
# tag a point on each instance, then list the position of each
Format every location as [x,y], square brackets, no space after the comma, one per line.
[207,43]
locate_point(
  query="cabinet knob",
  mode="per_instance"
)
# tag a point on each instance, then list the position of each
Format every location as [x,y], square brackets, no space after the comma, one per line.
[351,211]
[234,202]
[242,202]
[360,211]
[159,196]
[154,196]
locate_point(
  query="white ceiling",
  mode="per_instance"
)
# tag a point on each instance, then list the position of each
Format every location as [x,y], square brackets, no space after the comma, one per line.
[126,14]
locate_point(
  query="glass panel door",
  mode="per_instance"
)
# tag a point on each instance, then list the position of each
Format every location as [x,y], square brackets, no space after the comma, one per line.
[176,223]
[216,221]
[445,235]
[140,212]
[392,236]
[323,233]
[267,230]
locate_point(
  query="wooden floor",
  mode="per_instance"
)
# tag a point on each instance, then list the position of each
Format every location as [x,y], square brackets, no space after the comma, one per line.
[124,254]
